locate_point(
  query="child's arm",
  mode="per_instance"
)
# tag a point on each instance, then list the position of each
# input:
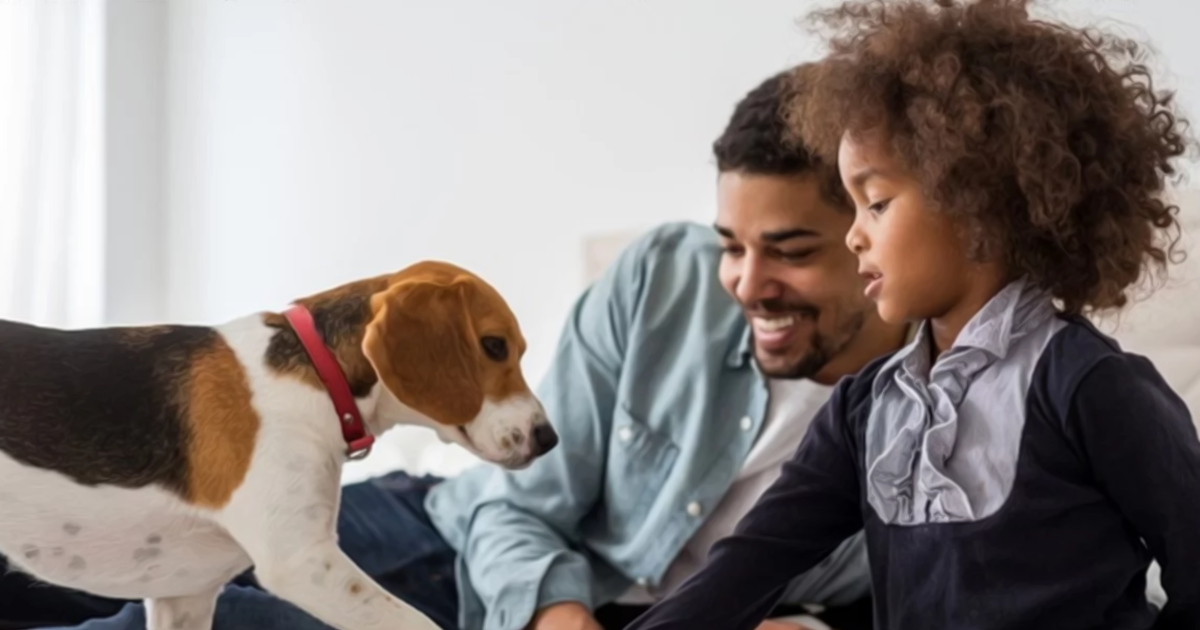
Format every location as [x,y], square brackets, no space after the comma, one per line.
[1142,446]
[801,519]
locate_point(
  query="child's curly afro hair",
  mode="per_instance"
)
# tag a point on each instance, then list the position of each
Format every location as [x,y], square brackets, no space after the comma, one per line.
[1047,143]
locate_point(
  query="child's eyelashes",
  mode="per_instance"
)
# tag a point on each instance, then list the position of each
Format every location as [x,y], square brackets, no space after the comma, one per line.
[879,206]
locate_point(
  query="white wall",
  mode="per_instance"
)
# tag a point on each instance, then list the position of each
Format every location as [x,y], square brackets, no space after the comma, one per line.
[310,142]
[314,142]
[135,49]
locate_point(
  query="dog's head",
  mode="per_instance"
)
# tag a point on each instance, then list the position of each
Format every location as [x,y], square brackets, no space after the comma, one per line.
[446,346]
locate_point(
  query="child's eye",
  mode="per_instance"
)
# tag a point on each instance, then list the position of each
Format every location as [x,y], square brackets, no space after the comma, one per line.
[879,206]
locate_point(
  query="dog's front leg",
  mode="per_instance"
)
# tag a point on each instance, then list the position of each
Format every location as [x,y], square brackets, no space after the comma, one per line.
[194,612]
[287,524]
[321,580]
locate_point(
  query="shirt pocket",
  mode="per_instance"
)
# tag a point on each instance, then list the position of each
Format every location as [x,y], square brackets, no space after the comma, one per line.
[640,460]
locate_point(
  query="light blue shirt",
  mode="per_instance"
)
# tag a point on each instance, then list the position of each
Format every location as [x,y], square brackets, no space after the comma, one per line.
[652,378]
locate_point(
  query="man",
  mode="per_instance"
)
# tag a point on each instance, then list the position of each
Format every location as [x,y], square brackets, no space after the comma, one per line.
[675,407]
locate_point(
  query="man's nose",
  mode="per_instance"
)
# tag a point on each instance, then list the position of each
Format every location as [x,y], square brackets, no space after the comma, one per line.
[755,283]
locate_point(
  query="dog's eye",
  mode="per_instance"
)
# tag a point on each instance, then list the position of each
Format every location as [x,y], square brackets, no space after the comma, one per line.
[495,348]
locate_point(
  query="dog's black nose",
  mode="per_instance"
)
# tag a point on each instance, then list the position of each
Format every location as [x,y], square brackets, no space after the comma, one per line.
[544,438]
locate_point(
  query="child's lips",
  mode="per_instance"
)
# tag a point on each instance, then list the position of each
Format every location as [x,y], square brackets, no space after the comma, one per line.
[874,282]
[873,288]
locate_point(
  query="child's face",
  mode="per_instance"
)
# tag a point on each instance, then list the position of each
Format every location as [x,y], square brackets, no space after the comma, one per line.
[909,254]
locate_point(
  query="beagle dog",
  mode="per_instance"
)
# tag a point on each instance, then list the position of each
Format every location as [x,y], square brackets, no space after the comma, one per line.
[158,463]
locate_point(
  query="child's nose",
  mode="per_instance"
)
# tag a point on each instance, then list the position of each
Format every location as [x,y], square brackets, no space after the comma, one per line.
[856,239]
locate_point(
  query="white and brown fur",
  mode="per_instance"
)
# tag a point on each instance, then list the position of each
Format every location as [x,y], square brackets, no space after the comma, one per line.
[158,463]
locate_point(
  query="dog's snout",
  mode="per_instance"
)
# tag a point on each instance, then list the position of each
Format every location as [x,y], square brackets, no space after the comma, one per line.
[544,438]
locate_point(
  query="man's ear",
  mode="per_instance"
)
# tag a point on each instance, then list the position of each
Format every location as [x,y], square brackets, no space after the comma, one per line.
[423,346]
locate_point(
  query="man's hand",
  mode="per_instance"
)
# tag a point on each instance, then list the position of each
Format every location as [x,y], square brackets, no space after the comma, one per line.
[565,616]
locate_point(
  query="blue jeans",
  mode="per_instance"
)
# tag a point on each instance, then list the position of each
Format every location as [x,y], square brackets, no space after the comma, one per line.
[383,527]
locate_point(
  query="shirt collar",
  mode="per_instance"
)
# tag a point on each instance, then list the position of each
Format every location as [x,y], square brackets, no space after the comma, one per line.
[1012,313]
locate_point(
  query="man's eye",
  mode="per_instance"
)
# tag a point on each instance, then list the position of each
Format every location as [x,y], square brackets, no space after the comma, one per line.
[731,250]
[797,256]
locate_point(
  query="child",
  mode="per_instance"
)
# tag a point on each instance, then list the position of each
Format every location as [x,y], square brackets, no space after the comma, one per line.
[1013,468]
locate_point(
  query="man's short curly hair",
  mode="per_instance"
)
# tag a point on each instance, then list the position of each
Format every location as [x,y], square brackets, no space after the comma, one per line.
[758,141]
[1047,143]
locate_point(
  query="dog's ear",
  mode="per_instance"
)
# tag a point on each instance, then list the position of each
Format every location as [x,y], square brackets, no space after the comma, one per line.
[422,343]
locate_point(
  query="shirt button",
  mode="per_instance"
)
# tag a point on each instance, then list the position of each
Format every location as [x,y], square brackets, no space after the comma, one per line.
[642,581]
[693,509]
[624,434]
[747,423]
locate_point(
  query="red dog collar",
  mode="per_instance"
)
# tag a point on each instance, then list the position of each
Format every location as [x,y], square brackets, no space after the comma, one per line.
[354,430]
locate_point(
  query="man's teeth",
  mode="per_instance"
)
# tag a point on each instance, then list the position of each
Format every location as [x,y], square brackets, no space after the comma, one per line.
[773,324]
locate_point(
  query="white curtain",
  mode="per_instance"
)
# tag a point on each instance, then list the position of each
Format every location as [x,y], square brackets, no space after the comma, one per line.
[51,161]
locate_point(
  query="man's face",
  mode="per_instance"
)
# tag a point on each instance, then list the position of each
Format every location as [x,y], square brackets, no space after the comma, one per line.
[785,261]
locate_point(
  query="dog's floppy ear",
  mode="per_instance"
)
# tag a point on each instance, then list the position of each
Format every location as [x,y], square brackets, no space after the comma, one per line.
[422,344]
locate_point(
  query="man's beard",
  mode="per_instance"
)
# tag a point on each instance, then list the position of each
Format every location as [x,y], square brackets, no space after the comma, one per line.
[807,365]
[821,348]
